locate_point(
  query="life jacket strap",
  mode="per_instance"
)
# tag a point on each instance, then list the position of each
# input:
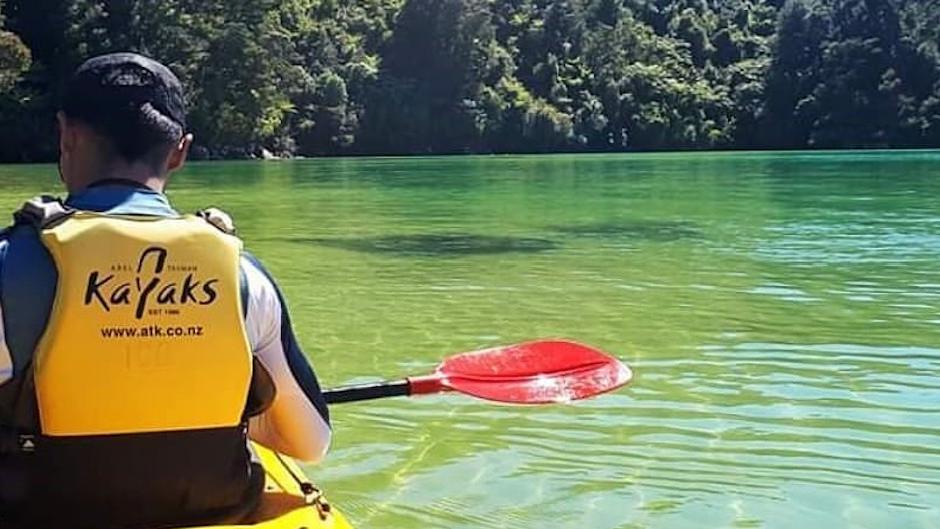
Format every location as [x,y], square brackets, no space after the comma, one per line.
[45,211]
[262,392]
[42,212]
[14,442]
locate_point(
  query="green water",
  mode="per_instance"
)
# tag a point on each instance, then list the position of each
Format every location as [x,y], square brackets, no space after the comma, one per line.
[782,312]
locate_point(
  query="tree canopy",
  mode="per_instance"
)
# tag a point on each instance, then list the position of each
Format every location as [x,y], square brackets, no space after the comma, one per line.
[330,77]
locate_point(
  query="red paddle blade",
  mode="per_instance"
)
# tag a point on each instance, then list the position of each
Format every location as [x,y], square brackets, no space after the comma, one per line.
[534,373]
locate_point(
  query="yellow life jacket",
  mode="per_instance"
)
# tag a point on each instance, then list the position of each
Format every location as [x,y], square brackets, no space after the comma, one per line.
[134,408]
[146,332]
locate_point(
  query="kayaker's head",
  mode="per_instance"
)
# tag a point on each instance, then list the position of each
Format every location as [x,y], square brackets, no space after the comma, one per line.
[123,116]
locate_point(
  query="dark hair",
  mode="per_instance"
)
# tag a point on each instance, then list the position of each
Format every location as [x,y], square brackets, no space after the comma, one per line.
[136,132]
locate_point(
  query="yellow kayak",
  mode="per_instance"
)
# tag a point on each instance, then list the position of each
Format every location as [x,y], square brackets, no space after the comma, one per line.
[285,504]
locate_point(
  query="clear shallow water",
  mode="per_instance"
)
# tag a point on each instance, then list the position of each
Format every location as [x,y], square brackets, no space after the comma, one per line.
[782,312]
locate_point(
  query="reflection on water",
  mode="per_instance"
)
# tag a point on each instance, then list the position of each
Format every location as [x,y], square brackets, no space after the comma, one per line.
[434,244]
[781,311]
[657,231]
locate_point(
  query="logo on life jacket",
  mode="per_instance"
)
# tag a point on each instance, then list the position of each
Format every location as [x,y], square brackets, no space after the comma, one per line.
[149,285]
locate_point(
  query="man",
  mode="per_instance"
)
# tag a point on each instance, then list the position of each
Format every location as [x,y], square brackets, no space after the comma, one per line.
[137,345]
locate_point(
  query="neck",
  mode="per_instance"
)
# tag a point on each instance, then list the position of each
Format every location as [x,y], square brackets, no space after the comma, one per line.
[137,173]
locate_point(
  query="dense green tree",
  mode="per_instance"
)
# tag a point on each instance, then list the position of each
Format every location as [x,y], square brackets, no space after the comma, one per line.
[246,79]
[794,74]
[14,57]
[338,48]
[326,77]
[16,102]
[438,62]
[843,74]
[920,109]
[859,89]
[41,24]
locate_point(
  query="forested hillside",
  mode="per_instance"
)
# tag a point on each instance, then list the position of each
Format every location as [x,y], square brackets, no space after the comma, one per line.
[314,77]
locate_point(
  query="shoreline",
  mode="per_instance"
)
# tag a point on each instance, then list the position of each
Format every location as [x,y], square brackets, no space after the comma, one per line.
[270,157]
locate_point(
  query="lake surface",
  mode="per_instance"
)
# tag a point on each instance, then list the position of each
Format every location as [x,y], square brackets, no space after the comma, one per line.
[781,311]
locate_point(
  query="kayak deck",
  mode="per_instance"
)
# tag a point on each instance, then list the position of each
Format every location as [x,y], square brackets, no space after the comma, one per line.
[284,505]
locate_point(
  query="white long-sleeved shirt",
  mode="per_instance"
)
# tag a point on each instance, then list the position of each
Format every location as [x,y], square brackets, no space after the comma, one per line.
[292,425]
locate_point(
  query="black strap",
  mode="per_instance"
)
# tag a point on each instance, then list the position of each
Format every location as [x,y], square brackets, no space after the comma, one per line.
[243,292]
[261,392]
[20,436]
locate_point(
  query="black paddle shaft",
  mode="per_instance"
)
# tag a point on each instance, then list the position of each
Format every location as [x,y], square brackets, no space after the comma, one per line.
[377,390]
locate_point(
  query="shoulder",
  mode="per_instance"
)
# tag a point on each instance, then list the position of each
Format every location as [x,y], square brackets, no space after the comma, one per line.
[4,237]
[23,257]
[21,242]
[23,234]
[28,280]
[255,274]
[262,302]
[258,276]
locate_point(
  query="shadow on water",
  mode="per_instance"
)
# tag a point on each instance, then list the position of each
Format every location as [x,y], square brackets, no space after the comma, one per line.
[656,231]
[460,244]
[433,245]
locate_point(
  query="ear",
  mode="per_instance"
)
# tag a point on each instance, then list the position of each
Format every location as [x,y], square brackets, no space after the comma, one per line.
[179,153]
[66,135]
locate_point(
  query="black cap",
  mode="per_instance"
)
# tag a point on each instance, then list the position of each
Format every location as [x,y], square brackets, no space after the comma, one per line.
[115,83]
